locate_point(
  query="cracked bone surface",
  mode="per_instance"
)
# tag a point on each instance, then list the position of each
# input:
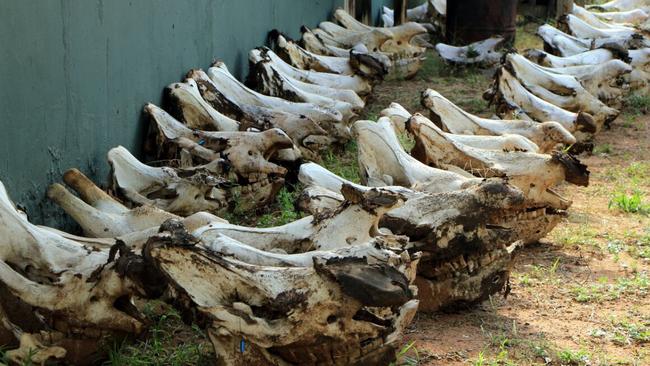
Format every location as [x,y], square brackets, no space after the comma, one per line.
[458,253]
[244,153]
[371,66]
[483,53]
[353,301]
[101,216]
[269,80]
[335,81]
[532,173]
[546,135]
[303,131]
[229,86]
[192,109]
[563,91]
[399,116]
[510,96]
[63,293]
[600,80]
[185,191]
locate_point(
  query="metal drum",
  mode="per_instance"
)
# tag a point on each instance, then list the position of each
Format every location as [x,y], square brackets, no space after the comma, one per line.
[475,20]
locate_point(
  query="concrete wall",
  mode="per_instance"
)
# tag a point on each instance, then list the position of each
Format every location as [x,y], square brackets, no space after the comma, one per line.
[74,75]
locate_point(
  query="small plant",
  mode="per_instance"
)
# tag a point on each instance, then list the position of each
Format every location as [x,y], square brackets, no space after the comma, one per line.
[603,149]
[638,104]
[286,211]
[170,342]
[402,357]
[480,360]
[472,52]
[630,203]
[574,358]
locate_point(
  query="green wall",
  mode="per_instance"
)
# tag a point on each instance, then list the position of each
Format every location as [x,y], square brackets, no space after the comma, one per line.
[74,75]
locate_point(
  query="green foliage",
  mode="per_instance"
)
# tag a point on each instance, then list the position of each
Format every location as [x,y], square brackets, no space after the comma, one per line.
[472,52]
[163,345]
[408,355]
[574,358]
[630,203]
[286,211]
[638,104]
[343,163]
[604,290]
[603,149]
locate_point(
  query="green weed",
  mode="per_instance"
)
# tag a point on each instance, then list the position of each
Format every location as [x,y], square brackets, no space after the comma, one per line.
[630,203]
[603,149]
[638,104]
[161,346]
[604,290]
[408,355]
[286,211]
[577,358]
[343,163]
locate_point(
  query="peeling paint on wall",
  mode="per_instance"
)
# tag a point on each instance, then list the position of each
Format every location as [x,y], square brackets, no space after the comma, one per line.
[74,75]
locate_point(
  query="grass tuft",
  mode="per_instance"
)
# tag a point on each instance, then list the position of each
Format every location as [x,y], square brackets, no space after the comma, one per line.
[168,342]
[638,104]
[630,203]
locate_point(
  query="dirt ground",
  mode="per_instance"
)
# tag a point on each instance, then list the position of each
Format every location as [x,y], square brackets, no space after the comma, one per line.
[580,296]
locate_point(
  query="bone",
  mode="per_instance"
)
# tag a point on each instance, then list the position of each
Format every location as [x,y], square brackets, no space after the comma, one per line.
[309,137]
[546,135]
[563,91]
[383,161]
[196,112]
[73,290]
[399,116]
[482,53]
[510,96]
[533,173]
[185,191]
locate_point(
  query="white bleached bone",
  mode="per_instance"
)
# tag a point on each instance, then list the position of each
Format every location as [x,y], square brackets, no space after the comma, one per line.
[633,17]
[531,172]
[482,52]
[546,135]
[192,109]
[596,20]
[621,5]
[567,45]
[234,90]
[187,191]
[347,82]
[399,116]
[581,29]
[303,131]
[94,210]
[510,96]
[563,91]
[271,81]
